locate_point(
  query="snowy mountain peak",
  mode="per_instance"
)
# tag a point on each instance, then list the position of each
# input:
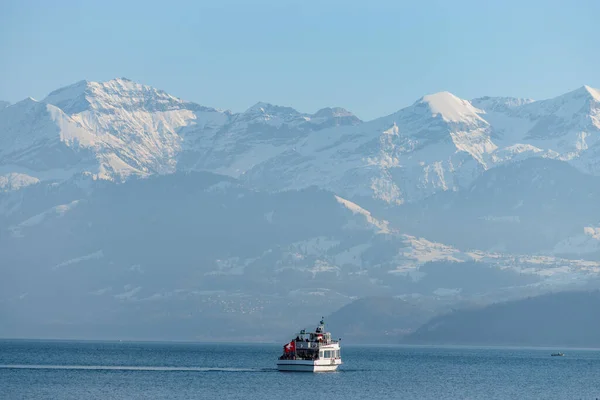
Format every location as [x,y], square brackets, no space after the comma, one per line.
[37,137]
[106,96]
[449,107]
[334,116]
[595,93]
[25,103]
[333,112]
[137,126]
[268,113]
[260,106]
[271,110]
[71,99]
[582,95]
[566,115]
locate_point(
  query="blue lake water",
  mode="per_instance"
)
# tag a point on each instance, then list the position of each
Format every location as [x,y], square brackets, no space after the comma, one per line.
[125,370]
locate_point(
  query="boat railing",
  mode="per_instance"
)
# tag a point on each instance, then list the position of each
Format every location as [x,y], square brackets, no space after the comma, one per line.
[300,345]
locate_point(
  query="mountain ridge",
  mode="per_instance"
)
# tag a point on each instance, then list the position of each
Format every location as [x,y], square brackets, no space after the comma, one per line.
[439,143]
[554,319]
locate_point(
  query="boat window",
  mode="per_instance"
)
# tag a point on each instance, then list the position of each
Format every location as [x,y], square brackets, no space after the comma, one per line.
[321,354]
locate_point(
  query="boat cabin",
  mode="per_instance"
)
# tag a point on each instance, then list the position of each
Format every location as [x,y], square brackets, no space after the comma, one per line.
[311,352]
[312,346]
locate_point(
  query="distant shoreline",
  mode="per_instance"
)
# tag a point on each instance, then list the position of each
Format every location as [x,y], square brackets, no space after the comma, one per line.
[350,344]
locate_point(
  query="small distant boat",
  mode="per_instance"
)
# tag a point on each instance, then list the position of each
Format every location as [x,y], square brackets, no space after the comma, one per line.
[558,354]
[311,352]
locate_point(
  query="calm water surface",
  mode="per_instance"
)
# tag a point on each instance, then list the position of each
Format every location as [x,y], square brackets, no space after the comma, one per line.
[113,370]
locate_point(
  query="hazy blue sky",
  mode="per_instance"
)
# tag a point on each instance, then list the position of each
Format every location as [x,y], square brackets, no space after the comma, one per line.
[372,57]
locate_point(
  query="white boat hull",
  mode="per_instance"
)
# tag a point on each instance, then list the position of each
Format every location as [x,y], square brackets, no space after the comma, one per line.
[308,365]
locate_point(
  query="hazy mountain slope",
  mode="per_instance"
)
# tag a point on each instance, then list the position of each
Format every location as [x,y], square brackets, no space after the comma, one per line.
[523,207]
[584,243]
[378,319]
[125,255]
[559,319]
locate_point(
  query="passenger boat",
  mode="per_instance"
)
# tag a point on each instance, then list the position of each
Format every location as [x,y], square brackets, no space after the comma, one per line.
[558,354]
[311,352]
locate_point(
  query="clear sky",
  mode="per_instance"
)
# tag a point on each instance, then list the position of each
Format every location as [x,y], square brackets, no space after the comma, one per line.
[371,57]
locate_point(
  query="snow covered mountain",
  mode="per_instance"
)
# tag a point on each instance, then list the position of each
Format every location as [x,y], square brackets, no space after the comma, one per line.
[40,139]
[136,126]
[117,129]
[440,143]
[120,130]
[254,137]
[109,194]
